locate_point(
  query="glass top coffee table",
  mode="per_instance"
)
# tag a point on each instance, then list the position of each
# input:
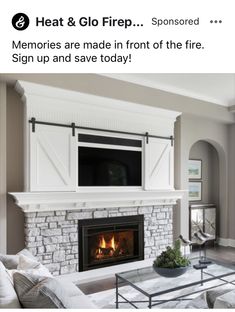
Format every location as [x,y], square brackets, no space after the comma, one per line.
[145,286]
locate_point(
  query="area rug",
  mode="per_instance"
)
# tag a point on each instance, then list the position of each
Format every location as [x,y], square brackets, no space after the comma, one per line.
[106,299]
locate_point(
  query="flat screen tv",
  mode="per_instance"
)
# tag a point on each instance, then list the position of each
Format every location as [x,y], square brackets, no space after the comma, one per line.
[108,167]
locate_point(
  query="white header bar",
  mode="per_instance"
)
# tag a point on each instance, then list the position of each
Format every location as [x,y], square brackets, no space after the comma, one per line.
[123,36]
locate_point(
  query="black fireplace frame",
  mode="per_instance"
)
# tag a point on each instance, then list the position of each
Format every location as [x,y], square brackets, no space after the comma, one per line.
[115,222]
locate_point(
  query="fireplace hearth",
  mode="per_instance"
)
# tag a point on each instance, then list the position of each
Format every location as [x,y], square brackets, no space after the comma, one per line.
[109,241]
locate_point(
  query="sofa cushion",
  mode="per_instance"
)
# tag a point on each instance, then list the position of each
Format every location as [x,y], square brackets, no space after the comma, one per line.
[8,296]
[208,298]
[200,302]
[213,294]
[77,298]
[46,292]
[225,301]
[11,261]
[72,289]
[80,302]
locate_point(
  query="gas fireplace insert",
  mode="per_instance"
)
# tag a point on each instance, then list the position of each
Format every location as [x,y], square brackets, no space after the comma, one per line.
[109,241]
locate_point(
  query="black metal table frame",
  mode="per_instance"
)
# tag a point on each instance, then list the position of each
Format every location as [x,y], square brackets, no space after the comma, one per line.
[151,302]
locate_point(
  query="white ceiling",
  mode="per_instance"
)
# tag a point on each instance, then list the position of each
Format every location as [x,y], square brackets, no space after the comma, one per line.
[215,88]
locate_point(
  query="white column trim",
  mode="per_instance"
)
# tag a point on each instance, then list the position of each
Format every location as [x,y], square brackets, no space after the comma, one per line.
[3,179]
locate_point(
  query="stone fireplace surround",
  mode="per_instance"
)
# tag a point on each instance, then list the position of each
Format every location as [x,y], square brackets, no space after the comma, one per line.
[51,222]
[53,235]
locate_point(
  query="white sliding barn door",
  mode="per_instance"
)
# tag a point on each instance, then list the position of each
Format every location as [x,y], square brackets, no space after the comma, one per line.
[52,159]
[159,164]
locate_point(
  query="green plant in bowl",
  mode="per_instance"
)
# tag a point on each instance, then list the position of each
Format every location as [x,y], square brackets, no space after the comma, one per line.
[171,262]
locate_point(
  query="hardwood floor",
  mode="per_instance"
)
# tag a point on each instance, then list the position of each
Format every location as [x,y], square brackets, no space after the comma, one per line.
[224,254]
[97,286]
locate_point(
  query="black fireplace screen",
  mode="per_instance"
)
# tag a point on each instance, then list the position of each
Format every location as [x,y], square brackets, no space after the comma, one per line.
[109,241]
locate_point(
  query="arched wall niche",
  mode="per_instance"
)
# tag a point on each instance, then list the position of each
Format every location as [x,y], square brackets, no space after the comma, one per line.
[211,160]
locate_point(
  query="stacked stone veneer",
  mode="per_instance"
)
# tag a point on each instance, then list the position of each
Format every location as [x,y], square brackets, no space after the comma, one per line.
[53,236]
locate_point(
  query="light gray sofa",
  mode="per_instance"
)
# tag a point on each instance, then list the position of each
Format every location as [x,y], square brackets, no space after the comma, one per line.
[9,299]
[221,297]
[225,301]
[71,297]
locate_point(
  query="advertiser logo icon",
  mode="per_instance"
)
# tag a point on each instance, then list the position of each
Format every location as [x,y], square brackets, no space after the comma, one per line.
[20,21]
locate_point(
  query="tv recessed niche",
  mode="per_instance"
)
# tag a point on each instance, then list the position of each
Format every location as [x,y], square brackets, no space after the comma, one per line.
[109,161]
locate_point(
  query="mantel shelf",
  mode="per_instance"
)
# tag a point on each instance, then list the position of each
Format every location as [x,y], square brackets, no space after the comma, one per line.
[51,201]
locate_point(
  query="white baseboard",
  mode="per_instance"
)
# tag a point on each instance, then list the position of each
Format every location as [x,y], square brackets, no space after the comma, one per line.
[227,242]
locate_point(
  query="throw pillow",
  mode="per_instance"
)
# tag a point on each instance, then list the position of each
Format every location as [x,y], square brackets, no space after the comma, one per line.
[8,296]
[27,253]
[11,261]
[36,292]
[28,265]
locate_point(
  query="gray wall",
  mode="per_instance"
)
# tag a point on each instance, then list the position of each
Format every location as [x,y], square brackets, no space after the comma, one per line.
[231,216]
[15,217]
[3,172]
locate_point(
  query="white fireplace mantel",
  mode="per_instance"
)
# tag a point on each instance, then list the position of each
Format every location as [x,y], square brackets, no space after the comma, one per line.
[51,201]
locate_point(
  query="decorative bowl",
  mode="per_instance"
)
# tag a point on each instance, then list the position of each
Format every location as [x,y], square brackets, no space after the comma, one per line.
[168,272]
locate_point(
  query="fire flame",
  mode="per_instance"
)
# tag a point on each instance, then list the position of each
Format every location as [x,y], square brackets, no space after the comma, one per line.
[110,245]
[107,244]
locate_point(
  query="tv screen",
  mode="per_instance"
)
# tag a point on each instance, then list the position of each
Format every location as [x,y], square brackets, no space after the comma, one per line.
[108,167]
